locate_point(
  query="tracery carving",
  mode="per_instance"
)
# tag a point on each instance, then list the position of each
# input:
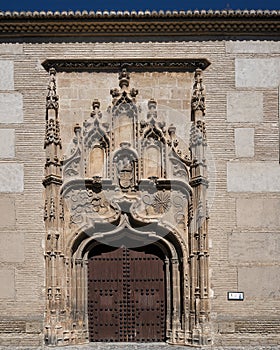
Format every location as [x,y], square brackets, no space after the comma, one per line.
[95,132]
[179,170]
[72,165]
[52,97]
[52,134]
[124,99]
[86,204]
[198,96]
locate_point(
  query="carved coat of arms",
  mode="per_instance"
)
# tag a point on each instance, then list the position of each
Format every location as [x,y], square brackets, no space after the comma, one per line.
[125,172]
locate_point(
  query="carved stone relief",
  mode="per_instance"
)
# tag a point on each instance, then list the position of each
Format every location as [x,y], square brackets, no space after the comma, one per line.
[127,183]
[86,205]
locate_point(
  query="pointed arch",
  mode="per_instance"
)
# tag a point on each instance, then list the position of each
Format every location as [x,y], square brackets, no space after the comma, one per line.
[97,145]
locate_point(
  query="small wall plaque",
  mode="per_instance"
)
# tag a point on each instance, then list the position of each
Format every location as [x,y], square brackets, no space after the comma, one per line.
[236,296]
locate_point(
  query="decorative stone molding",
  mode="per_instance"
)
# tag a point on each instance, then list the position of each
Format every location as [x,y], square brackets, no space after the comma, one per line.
[141,23]
[134,65]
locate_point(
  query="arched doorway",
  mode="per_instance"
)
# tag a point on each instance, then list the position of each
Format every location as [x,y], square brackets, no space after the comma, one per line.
[121,200]
[126,294]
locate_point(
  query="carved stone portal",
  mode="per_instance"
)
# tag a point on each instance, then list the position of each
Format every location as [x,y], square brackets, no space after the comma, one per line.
[126,184]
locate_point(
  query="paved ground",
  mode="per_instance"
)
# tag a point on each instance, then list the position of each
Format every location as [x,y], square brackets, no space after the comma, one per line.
[134,346]
[158,346]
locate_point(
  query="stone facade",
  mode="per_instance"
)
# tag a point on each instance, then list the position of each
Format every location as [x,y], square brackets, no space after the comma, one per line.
[236,250]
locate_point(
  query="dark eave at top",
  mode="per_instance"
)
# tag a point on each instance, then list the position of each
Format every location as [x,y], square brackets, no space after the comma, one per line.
[139,23]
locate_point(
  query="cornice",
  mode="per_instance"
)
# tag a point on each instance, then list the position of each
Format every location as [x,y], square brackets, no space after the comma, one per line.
[141,23]
[134,65]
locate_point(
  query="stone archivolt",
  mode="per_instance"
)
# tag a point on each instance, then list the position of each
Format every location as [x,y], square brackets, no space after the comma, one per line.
[126,180]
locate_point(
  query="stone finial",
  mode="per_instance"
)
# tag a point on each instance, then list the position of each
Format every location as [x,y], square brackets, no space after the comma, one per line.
[123,96]
[124,79]
[77,130]
[52,97]
[152,106]
[95,109]
[95,104]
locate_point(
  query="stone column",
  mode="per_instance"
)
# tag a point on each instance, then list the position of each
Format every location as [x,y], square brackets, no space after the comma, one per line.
[176,292]
[199,229]
[53,217]
[168,299]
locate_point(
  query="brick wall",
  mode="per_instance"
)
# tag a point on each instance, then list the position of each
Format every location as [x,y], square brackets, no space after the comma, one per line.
[244,194]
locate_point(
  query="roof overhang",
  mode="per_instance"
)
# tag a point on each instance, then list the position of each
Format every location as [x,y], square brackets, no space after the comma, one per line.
[84,24]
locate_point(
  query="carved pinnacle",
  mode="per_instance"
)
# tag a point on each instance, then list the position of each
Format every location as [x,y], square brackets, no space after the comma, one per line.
[52,97]
[198,96]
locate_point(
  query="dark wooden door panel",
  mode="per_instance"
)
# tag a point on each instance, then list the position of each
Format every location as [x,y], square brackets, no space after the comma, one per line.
[104,294]
[148,296]
[126,297]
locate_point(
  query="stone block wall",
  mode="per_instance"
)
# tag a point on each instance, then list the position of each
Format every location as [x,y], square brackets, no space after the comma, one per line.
[242,118]
[246,238]
[21,221]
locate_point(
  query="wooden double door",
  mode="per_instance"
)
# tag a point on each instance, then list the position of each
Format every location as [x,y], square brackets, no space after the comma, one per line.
[126,296]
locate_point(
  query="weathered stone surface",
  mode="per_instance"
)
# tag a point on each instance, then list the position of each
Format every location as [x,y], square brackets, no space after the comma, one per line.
[244,142]
[259,282]
[11,108]
[11,177]
[226,327]
[253,177]
[7,75]
[7,282]
[8,212]
[258,213]
[257,72]
[250,46]
[245,106]
[7,143]
[11,247]
[249,247]
[14,326]
[11,48]
[34,327]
